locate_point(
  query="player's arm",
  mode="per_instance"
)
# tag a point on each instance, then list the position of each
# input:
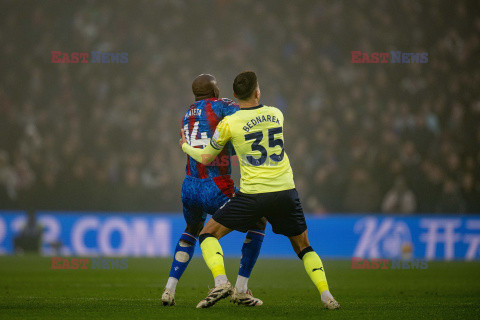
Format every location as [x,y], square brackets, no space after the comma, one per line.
[206,155]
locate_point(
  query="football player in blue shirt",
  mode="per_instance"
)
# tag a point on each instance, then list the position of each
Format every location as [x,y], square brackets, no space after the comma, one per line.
[208,187]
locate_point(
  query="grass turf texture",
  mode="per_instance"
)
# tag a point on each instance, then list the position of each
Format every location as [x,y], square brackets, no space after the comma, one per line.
[29,288]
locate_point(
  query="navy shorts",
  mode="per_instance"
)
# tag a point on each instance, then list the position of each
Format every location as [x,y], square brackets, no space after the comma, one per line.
[282,209]
[204,196]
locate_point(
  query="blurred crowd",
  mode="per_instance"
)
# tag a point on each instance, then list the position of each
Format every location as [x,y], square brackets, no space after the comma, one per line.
[394,138]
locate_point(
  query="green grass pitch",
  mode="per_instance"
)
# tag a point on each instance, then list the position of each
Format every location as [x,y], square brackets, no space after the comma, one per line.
[29,288]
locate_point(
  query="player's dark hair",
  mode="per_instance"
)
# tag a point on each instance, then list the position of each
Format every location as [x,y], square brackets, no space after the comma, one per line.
[245,84]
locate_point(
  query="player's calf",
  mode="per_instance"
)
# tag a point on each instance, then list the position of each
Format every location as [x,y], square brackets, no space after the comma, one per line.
[250,251]
[183,254]
[213,255]
[315,270]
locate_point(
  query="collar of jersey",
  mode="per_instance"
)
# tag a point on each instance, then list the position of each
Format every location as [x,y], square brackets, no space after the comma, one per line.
[251,108]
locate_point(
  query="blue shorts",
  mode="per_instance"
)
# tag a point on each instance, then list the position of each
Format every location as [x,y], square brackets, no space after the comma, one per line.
[205,196]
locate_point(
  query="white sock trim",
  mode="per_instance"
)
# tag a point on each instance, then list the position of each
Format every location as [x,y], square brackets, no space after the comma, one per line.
[172,284]
[242,284]
[221,279]
[326,295]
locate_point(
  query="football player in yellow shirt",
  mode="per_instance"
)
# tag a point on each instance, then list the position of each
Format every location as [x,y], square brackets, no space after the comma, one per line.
[267,188]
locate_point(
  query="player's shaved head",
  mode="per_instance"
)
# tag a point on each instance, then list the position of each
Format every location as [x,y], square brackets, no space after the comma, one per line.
[205,86]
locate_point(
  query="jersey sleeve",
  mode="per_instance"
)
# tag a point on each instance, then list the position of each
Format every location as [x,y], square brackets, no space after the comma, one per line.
[204,156]
[222,135]
[229,107]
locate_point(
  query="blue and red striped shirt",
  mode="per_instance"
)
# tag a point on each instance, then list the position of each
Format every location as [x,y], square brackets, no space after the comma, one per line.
[199,124]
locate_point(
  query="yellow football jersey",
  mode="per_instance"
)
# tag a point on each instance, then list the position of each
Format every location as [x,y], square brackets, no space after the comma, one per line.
[257,136]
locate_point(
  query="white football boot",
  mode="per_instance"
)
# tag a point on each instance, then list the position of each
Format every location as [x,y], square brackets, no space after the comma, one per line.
[245,299]
[216,294]
[168,298]
[329,301]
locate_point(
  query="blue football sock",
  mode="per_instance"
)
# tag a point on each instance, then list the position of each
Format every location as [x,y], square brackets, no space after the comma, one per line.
[183,255]
[250,251]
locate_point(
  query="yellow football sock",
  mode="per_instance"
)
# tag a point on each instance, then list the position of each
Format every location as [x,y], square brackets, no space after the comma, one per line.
[213,256]
[314,267]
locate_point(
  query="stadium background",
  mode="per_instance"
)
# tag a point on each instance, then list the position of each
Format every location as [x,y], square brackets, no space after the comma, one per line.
[386,157]
[103,137]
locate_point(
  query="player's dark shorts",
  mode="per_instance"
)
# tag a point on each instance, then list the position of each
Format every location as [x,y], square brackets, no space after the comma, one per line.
[204,196]
[282,209]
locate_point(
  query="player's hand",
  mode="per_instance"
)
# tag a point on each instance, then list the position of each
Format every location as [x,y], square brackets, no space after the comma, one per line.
[182,138]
